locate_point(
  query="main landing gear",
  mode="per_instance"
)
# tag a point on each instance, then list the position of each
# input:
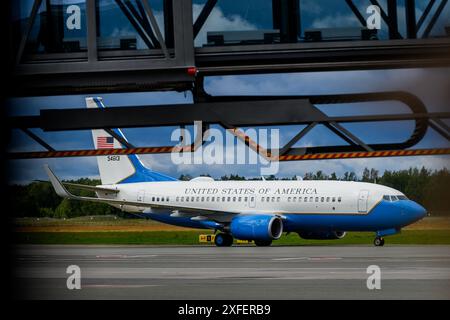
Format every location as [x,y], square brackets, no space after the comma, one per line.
[263,243]
[378,242]
[223,240]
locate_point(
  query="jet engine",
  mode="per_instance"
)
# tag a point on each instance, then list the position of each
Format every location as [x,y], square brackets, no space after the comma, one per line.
[257,227]
[322,235]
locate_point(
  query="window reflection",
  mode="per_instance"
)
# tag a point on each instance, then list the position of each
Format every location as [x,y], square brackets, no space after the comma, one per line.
[124,25]
[59,26]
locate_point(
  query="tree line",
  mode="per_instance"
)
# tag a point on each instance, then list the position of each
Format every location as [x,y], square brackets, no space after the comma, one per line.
[427,187]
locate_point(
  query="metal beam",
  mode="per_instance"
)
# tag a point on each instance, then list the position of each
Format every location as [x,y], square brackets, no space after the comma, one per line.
[203,16]
[143,20]
[300,157]
[390,18]
[139,29]
[119,138]
[411,24]
[26,34]
[356,12]
[155,27]
[91,17]
[175,116]
[433,20]
[350,135]
[37,139]
[442,131]
[425,14]
[297,138]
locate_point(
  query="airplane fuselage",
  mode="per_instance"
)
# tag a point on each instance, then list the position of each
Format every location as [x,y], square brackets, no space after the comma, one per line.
[304,205]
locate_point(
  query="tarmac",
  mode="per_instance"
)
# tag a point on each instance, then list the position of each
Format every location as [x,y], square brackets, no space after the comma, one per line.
[236,273]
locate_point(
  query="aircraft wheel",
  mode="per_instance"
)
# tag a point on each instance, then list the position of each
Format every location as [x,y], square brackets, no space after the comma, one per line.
[378,242]
[223,240]
[263,243]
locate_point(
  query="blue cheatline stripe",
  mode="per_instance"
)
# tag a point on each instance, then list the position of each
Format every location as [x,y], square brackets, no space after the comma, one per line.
[386,218]
[142,173]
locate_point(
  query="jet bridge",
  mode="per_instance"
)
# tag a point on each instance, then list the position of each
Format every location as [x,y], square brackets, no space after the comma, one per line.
[167,45]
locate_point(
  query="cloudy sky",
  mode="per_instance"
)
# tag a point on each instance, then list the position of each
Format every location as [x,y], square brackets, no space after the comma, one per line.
[431,85]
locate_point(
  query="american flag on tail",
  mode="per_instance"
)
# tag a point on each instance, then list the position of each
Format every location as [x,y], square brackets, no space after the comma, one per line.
[105,142]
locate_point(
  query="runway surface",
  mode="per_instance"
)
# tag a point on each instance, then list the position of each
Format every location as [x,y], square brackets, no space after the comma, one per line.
[142,272]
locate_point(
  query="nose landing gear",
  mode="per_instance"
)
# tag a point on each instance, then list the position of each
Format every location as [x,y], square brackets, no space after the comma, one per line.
[378,242]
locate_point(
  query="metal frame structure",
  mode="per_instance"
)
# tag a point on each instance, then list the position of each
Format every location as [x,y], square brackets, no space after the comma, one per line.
[173,63]
[165,65]
[237,112]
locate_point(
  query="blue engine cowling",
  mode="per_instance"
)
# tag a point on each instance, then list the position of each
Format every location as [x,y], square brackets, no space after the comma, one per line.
[257,227]
[321,235]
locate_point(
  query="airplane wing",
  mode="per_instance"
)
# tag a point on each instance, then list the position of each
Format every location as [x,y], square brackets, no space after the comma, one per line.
[84,187]
[62,192]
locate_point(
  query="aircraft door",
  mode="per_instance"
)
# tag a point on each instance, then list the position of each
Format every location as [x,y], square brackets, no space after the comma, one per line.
[362,201]
[141,196]
[252,201]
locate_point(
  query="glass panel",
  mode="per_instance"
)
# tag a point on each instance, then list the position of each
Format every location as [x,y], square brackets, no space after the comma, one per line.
[123,25]
[274,21]
[59,26]
[235,22]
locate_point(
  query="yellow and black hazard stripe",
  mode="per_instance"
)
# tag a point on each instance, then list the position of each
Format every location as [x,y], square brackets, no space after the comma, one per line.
[161,150]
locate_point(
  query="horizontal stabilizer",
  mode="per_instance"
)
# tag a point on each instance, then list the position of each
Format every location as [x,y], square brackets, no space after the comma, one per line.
[84,187]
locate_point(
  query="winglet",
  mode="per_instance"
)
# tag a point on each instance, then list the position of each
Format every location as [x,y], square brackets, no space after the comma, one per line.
[57,185]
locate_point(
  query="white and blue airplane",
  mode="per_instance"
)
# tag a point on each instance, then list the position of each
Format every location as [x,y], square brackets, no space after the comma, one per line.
[248,210]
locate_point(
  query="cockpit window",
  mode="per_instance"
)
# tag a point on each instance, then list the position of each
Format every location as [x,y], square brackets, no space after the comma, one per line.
[394,198]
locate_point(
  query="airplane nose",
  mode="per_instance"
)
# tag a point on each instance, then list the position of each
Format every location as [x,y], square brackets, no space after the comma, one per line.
[416,211]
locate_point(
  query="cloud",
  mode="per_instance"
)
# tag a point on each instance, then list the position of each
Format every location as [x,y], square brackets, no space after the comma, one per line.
[339,20]
[218,21]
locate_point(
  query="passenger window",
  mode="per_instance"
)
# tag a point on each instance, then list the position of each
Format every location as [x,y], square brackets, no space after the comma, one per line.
[289,199]
[322,199]
[294,199]
[333,199]
[317,199]
[203,199]
[328,199]
[229,199]
[167,199]
[273,199]
[234,199]
[153,198]
[192,199]
[240,199]
[339,199]
[311,199]
[262,199]
[252,199]
[278,199]
[306,199]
